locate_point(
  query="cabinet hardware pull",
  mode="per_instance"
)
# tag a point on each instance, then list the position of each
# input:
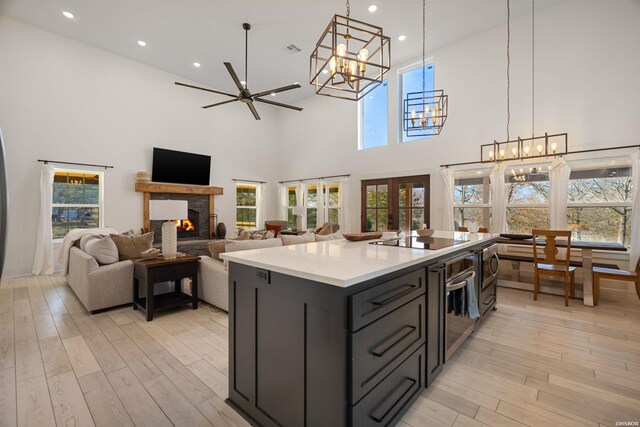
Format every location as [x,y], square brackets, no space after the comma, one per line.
[394,340]
[400,391]
[461,284]
[395,296]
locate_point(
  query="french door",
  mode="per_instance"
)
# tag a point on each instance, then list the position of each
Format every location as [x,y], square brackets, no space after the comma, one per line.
[400,203]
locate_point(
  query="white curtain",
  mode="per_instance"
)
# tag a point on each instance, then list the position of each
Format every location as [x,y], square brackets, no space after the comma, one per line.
[320,197]
[43,262]
[448,181]
[261,205]
[283,202]
[498,201]
[301,195]
[344,213]
[558,182]
[635,211]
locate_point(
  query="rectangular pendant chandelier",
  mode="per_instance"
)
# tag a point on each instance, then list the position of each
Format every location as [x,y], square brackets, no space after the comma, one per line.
[527,148]
[350,59]
[425,113]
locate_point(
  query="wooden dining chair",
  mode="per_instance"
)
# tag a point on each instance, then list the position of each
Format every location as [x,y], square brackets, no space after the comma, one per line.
[613,274]
[480,230]
[550,264]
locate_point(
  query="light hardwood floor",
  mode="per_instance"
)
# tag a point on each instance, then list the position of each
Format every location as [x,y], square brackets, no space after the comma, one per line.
[531,363]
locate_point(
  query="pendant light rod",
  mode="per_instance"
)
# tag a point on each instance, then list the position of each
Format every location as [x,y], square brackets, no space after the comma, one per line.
[508,68]
[246,27]
[424,42]
[533,67]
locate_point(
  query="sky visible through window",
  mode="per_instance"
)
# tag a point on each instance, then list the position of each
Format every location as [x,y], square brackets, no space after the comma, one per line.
[374,117]
[412,82]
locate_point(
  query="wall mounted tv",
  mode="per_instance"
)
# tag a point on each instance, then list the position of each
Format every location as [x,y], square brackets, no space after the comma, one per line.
[178,167]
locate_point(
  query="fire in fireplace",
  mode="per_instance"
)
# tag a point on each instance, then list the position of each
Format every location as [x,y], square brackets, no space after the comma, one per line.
[188,227]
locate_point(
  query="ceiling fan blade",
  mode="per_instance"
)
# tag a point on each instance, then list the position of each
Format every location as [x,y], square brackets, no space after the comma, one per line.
[205,89]
[220,103]
[280,89]
[278,104]
[234,76]
[253,110]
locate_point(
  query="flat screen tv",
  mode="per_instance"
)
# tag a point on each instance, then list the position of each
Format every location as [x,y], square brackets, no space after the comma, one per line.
[178,167]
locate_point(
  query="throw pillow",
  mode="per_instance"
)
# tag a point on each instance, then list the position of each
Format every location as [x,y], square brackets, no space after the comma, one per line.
[326,238]
[269,234]
[258,235]
[131,247]
[326,230]
[103,249]
[245,245]
[216,247]
[84,239]
[245,235]
[298,240]
[275,228]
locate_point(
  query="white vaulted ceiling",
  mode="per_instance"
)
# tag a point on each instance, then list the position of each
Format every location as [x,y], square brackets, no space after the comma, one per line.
[179,33]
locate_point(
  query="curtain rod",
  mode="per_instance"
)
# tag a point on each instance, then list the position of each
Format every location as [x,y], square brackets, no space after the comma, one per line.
[248,180]
[75,164]
[347,175]
[593,150]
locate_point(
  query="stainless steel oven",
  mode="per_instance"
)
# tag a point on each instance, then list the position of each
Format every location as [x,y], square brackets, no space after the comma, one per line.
[457,327]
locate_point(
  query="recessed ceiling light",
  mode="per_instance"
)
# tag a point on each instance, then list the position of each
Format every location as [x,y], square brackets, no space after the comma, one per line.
[373,8]
[273,94]
[68,14]
[479,172]
[325,71]
[402,38]
[297,83]
[142,43]
[196,64]
[242,82]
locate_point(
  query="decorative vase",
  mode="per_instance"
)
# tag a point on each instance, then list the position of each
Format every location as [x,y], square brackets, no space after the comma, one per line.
[221,230]
[169,240]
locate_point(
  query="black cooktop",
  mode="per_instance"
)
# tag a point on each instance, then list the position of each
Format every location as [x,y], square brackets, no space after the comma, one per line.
[414,242]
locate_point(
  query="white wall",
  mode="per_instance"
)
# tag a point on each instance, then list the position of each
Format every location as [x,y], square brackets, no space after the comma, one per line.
[67,101]
[588,63]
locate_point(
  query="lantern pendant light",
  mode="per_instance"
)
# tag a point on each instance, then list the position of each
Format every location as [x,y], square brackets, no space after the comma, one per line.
[424,113]
[350,58]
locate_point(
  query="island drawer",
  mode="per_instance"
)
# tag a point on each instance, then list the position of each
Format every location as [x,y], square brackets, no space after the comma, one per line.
[370,305]
[386,403]
[381,346]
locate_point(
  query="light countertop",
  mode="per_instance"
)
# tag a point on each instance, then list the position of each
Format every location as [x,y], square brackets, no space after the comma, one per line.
[343,263]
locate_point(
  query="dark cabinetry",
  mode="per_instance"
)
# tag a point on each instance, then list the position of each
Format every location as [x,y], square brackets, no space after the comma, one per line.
[435,323]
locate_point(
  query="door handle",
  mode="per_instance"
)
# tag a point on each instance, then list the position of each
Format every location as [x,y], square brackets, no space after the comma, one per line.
[394,340]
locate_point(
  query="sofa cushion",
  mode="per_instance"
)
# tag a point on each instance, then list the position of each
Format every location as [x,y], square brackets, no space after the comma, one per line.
[326,238]
[131,247]
[245,245]
[217,247]
[298,240]
[103,249]
[84,239]
[324,231]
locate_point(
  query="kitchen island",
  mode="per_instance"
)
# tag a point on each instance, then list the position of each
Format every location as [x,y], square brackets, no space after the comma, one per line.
[337,333]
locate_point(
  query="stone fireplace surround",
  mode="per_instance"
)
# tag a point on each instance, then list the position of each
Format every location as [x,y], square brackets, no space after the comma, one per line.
[201,199]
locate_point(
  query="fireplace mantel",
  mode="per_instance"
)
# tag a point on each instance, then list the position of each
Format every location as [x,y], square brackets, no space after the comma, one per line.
[159,187]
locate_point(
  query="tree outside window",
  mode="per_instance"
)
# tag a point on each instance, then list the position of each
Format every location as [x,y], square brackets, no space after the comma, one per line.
[599,205]
[246,206]
[293,202]
[77,201]
[527,199]
[472,201]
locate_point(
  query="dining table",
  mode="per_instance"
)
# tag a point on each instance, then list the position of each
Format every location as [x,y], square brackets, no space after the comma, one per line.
[586,248]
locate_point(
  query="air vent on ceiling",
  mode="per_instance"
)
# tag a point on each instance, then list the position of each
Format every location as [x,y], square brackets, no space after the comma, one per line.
[292,48]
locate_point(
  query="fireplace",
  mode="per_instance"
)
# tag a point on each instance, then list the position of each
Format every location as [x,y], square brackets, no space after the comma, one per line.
[188,228]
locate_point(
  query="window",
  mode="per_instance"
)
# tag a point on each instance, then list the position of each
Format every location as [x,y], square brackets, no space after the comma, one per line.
[246,206]
[472,201]
[332,202]
[599,205]
[373,118]
[412,82]
[77,201]
[312,207]
[527,199]
[293,202]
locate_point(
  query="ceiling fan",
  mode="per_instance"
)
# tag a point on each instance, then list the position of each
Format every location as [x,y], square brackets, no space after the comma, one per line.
[245,95]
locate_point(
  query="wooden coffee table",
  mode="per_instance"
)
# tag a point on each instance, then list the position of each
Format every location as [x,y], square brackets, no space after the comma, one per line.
[151,272]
